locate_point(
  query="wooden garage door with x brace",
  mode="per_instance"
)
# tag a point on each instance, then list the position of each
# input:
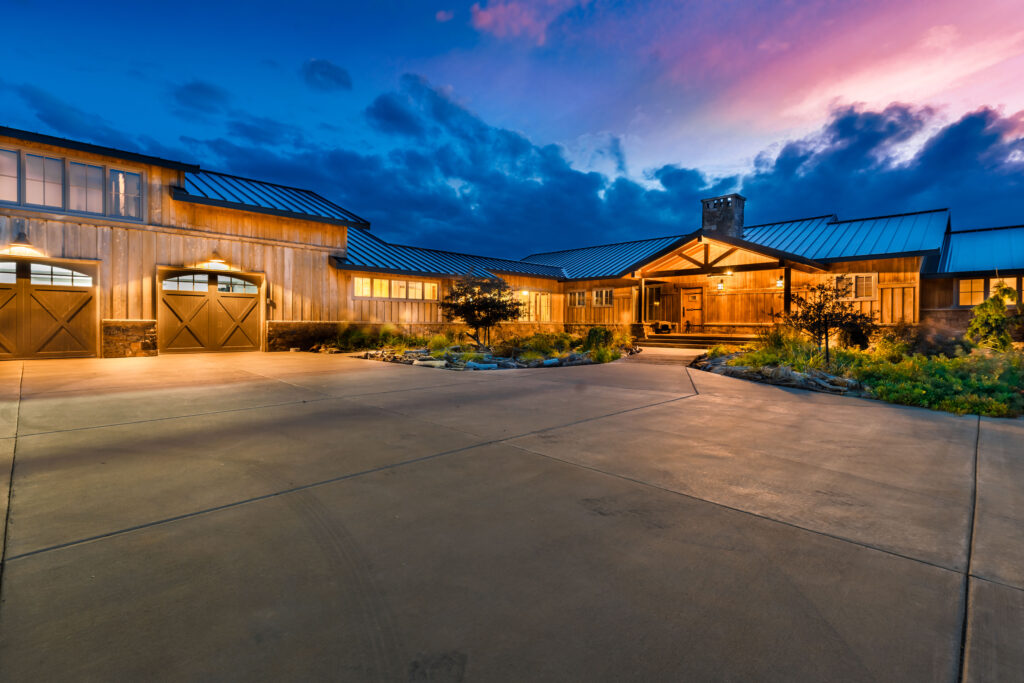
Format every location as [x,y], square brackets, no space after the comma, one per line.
[46,311]
[208,312]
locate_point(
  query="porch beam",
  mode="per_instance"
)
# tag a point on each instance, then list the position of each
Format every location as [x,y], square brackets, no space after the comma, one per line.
[715,270]
[725,254]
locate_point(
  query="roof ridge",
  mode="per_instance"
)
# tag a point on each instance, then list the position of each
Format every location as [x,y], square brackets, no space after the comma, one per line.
[460,253]
[890,215]
[609,244]
[998,227]
[794,220]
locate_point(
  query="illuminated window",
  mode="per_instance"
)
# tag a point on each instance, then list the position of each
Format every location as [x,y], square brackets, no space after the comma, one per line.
[381,288]
[1012,284]
[8,176]
[235,285]
[126,194]
[193,282]
[971,292]
[44,181]
[430,290]
[861,287]
[577,299]
[602,297]
[536,306]
[415,290]
[363,287]
[8,273]
[398,289]
[61,277]
[85,188]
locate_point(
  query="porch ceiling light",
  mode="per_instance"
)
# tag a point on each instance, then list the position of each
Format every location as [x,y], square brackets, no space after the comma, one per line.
[21,247]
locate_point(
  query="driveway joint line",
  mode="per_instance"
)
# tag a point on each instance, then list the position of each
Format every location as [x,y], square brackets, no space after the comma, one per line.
[964,636]
[317,484]
[740,510]
[10,484]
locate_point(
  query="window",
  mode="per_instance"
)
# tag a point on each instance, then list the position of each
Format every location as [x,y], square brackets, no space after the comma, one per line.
[8,176]
[85,188]
[577,299]
[398,289]
[861,286]
[415,290]
[193,282]
[235,285]
[8,273]
[381,288]
[602,297]
[126,194]
[971,292]
[430,290]
[44,181]
[62,277]
[363,287]
[1011,283]
[654,303]
[536,306]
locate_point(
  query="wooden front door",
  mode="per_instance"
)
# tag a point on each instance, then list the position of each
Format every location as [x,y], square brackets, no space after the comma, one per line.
[692,312]
[46,311]
[208,312]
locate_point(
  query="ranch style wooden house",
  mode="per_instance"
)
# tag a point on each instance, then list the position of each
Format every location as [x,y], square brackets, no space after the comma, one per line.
[111,253]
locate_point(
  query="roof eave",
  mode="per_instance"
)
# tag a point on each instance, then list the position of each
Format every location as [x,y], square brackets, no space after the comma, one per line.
[55,141]
[870,257]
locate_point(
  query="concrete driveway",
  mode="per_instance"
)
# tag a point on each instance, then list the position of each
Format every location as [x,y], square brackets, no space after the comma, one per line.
[309,517]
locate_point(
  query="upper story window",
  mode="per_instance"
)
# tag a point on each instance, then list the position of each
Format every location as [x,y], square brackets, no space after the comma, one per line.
[126,194]
[44,181]
[8,176]
[85,188]
[577,299]
[602,297]
[53,183]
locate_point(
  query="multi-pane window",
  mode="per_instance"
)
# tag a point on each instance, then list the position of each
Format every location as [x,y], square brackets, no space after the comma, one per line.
[994,285]
[235,285]
[602,297]
[85,188]
[971,292]
[381,288]
[860,286]
[398,289]
[577,299]
[654,303]
[430,290]
[44,181]
[126,194]
[363,287]
[8,272]
[52,275]
[193,282]
[536,306]
[415,290]
[8,176]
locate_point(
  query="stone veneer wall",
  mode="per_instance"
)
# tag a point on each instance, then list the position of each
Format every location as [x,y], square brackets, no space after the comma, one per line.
[947,319]
[129,338]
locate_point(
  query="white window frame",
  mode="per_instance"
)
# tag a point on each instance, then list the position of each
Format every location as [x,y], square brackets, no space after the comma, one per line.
[853,286]
[577,298]
[599,295]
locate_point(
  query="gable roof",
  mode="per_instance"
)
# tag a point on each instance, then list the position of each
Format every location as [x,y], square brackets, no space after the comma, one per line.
[984,250]
[824,238]
[366,252]
[607,260]
[234,192]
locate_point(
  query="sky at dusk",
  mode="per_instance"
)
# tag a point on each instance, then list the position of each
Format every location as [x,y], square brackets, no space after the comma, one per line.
[506,127]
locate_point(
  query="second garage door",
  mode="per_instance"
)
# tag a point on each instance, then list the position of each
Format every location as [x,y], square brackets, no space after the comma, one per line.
[208,312]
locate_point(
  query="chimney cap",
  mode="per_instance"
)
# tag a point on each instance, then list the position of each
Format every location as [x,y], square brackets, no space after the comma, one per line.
[724,196]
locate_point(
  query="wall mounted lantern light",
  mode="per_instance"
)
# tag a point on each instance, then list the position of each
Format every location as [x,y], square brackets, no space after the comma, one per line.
[21,247]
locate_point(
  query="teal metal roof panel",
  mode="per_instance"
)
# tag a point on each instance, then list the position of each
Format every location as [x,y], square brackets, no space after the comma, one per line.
[986,250]
[606,260]
[372,253]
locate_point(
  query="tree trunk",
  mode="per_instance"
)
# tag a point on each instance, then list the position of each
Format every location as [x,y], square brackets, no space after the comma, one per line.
[827,359]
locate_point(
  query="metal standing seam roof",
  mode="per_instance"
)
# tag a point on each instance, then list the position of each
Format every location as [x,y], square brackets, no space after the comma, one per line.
[606,260]
[366,251]
[208,187]
[984,250]
[824,238]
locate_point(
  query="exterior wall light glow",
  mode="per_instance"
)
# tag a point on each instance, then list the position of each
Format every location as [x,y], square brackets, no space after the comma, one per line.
[721,284]
[21,247]
[780,283]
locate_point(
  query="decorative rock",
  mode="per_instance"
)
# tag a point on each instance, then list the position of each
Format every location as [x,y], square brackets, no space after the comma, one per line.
[294,349]
[431,363]
[550,362]
[473,365]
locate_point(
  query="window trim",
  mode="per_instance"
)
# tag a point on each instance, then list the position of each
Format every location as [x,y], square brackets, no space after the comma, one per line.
[577,293]
[853,291]
[986,289]
[391,289]
[611,297]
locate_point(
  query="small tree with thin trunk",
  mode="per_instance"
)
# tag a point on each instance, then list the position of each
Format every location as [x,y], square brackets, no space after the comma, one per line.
[824,311]
[481,303]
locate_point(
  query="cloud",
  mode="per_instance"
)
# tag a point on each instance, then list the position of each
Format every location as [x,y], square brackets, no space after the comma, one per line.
[515,19]
[201,96]
[321,74]
[444,15]
[67,120]
[261,130]
[391,114]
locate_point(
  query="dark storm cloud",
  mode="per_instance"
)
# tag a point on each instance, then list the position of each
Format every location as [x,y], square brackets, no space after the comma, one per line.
[321,74]
[390,114]
[201,96]
[67,120]
[260,130]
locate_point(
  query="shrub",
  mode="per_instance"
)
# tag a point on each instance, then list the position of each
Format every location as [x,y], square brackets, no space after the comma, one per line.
[604,354]
[530,356]
[471,356]
[438,342]
[990,324]
[597,337]
[825,311]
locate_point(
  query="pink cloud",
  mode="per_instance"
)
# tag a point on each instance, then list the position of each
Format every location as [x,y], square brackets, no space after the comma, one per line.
[444,15]
[515,19]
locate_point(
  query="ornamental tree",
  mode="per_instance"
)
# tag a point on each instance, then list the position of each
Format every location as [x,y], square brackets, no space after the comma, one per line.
[825,310]
[990,323]
[481,303]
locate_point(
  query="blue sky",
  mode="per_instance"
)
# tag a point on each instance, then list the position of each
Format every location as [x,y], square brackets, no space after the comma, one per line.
[509,126]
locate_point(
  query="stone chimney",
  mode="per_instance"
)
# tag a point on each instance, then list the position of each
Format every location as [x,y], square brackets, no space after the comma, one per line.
[723,215]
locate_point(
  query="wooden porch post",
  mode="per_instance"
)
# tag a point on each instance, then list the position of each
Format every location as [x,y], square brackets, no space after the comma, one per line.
[787,289]
[643,301]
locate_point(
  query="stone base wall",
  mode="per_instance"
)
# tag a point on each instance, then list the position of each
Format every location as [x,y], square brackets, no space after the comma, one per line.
[129,338]
[948,321]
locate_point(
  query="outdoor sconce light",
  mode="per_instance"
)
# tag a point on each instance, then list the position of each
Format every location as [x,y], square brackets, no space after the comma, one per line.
[721,285]
[780,283]
[524,293]
[21,247]
[217,258]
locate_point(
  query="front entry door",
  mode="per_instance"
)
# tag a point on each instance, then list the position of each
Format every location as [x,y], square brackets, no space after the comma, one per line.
[692,313]
[208,312]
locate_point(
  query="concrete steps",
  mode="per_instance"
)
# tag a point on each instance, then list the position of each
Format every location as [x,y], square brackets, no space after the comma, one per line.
[694,341]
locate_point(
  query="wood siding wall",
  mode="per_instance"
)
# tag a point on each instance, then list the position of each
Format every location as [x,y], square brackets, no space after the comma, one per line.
[621,312]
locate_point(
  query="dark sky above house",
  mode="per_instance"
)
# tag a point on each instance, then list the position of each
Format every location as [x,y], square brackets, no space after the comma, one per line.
[512,126]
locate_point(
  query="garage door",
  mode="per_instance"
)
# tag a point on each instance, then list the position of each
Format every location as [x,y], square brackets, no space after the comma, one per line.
[46,311]
[208,312]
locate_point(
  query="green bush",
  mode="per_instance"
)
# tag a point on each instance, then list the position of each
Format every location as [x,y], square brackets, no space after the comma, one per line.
[990,323]
[597,337]
[604,354]
[438,342]
[530,356]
